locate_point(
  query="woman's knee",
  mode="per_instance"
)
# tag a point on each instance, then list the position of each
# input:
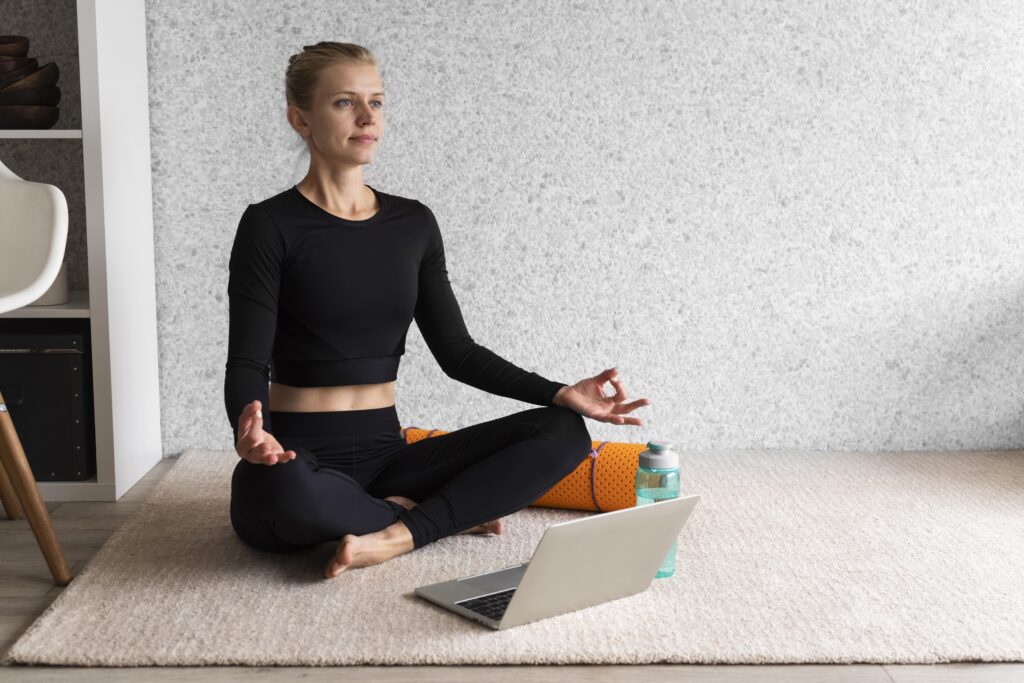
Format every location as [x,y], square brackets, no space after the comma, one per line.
[569,419]
[569,424]
[271,486]
[257,492]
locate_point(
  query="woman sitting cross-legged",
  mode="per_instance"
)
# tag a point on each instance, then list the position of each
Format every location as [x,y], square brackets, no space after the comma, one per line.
[325,279]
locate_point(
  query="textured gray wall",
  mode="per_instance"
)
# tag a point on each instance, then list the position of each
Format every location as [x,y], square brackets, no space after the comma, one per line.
[789,225]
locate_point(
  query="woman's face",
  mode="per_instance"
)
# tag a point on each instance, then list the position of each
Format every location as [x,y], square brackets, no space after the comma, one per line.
[349,104]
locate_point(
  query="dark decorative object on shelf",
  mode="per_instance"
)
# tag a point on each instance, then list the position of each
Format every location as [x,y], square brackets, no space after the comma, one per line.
[50,95]
[9,64]
[28,92]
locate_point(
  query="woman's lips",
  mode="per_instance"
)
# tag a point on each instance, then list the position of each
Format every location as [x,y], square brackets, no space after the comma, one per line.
[365,140]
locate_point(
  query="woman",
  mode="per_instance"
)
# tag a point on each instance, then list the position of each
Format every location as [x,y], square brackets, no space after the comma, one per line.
[325,279]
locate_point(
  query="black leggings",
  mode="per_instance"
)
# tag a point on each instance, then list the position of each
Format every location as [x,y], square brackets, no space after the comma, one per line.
[347,461]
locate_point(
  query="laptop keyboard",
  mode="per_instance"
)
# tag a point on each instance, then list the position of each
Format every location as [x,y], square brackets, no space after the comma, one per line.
[491,606]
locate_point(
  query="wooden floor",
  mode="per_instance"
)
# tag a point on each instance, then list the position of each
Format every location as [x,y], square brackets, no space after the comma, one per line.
[27,588]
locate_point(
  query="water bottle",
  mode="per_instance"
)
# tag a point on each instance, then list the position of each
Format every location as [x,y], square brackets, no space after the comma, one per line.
[657,478]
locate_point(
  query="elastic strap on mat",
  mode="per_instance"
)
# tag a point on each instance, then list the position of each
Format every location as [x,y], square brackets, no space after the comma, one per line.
[594,452]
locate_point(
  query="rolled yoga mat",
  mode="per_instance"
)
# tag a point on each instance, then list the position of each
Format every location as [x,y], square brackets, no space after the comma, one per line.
[603,482]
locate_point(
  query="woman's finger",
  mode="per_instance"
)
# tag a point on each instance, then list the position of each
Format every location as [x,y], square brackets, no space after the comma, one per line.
[277,457]
[620,391]
[630,407]
[251,432]
[263,455]
[247,441]
[245,420]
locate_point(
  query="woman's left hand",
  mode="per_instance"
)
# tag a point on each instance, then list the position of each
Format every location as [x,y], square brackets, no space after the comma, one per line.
[587,398]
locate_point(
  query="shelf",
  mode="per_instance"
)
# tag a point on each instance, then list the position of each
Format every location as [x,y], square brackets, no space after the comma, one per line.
[76,307]
[27,134]
[117,301]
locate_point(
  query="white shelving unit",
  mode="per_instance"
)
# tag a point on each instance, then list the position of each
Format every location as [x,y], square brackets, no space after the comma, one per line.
[120,302]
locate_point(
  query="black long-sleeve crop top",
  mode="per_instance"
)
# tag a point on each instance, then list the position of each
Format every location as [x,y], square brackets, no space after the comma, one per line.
[320,300]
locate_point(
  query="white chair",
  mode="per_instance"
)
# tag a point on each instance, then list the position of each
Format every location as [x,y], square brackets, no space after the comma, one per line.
[33,236]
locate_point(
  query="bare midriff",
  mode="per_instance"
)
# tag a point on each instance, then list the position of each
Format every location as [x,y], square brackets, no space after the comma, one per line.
[289,399]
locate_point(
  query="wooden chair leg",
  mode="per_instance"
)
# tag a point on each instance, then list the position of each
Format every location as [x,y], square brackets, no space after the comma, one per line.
[12,506]
[18,482]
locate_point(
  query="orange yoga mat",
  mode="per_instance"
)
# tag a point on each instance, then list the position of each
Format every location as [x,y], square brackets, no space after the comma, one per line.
[603,482]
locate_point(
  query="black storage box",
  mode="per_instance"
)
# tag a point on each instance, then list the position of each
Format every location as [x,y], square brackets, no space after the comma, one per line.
[46,382]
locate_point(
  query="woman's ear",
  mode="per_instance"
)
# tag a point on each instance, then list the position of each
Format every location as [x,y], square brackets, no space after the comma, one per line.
[297,120]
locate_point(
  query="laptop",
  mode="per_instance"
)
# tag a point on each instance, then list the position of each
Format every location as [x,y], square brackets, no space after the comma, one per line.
[577,564]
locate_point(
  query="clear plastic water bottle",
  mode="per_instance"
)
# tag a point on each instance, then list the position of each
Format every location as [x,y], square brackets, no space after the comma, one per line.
[657,478]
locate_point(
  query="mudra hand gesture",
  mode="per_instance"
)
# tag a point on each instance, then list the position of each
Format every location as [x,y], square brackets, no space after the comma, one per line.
[254,444]
[587,398]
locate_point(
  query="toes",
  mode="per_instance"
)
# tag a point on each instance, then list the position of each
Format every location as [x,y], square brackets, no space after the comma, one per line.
[342,558]
[336,565]
[493,527]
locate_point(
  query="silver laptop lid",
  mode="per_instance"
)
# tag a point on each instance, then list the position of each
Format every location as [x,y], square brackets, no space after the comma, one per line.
[598,558]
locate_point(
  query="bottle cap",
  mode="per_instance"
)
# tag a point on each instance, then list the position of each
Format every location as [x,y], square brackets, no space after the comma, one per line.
[659,456]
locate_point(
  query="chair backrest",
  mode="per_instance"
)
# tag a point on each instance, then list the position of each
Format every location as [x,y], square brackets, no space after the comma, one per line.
[33,237]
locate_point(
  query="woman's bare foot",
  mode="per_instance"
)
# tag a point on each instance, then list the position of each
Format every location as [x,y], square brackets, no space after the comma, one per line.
[407,503]
[495,526]
[369,549]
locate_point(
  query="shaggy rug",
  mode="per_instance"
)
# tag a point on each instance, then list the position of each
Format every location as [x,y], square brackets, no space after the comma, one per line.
[790,557]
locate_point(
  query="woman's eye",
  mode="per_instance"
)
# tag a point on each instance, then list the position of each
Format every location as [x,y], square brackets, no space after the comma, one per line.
[345,99]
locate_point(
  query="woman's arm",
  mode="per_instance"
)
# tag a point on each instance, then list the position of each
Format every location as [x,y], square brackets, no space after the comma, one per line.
[440,320]
[254,283]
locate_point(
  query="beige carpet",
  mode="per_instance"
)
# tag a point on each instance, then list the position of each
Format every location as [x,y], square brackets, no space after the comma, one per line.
[791,557]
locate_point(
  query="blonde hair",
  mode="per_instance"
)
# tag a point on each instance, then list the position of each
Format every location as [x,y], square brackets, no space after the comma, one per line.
[304,68]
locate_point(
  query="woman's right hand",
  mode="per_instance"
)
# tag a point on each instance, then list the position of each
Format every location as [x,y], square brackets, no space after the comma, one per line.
[254,444]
